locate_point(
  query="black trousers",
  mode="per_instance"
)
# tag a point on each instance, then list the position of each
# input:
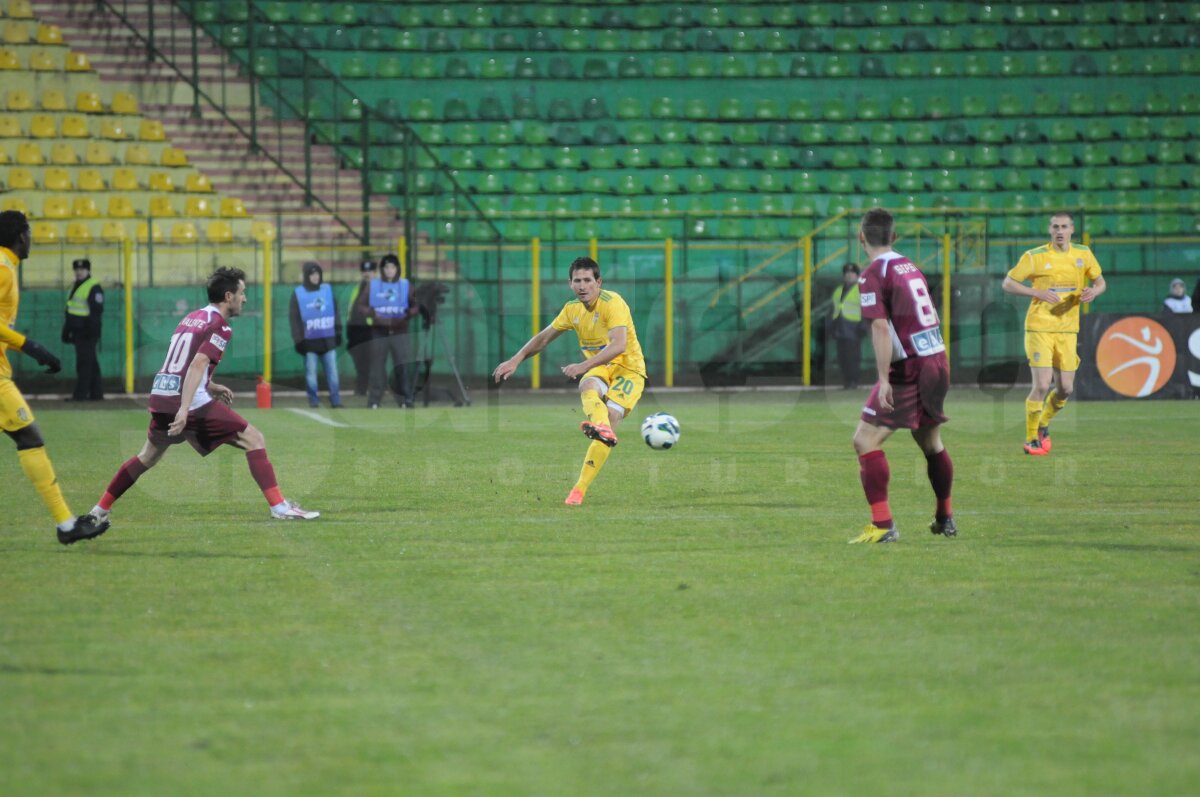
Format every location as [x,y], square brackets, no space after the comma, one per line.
[849,355]
[360,353]
[399,348]
[87,370]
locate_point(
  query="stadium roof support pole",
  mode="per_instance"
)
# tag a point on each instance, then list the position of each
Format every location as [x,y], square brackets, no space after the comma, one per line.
[594,249]
[669,310]
[127,276]
[402,253]
[535,302]
[946,294]
[806,244]
[266,249]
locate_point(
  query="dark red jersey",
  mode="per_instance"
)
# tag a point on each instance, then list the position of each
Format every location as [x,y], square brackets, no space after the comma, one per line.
[204,331]
[892,288]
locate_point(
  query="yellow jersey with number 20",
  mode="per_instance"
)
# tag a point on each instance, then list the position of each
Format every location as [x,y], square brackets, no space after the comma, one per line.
[593,325]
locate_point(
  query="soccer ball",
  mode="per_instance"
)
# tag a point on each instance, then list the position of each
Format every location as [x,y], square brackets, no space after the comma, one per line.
[660,431]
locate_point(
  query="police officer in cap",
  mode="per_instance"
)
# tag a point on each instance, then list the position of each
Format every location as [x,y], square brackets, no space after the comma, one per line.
[85,307]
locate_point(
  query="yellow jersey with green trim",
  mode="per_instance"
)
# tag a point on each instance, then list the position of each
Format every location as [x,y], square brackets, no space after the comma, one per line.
[1067,274]
[10,298]
[592,325]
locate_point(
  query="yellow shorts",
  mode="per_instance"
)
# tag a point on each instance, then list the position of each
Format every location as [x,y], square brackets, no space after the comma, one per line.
[623,387]
[14,412]
[1052,350]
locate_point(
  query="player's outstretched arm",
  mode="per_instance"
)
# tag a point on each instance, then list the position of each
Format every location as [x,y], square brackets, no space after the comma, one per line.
[534,345]
[41,355]
[1010,285]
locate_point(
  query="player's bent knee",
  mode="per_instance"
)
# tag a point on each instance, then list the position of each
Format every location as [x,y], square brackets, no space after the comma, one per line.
[27,437]
[592,383]
[252,439]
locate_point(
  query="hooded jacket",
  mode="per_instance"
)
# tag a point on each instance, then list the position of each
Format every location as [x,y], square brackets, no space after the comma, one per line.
[318,345]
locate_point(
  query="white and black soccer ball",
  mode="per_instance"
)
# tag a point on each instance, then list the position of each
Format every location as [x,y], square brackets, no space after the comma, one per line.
[660,431]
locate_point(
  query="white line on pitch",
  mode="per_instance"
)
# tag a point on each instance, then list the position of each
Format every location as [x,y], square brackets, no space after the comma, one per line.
[319,418]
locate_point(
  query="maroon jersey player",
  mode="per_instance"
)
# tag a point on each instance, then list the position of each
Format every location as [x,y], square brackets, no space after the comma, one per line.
[186,405]
[910,359]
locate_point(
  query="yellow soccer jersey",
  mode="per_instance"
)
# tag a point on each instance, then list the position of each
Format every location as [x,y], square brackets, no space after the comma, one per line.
[592,326]
[1065,273]
[10,297]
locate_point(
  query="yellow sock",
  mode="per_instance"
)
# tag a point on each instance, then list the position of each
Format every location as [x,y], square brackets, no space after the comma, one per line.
[593,461]
[1053,407]
[38,470]
[1033,412]
[593,407]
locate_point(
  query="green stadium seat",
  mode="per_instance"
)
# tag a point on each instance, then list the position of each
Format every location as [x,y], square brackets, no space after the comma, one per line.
[634,158]
[566,134]
[1055,181]
[883,133]
[1168,177]
[1126,178]
[630,185]
[732,67]
[673,41]
[424,68]
[709,133]
[630,68]
[848,133]
[1118,103]
[560,183]
[490,109]
[1133,154]
[813,133]
[1059,156]
[1021,156]
[743,133]
[1083,65]
[664,66]
[672,132]
[770,183]
[908,66]
[639,133]
[1027,132]
[991,132]
[1137,127]
[630,108]
[919,133]
[310,13]
[981,180]
[531,158]
[986,156]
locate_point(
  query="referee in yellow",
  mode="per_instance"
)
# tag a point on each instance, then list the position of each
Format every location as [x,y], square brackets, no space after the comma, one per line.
[16,419]
[1059,273]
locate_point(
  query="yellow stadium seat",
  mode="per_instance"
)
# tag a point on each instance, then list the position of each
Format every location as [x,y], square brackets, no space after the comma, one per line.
[43,61]
[113,232]
[56,207]
[21,180]
[49,34]
[55,179]
[10,127]
[119,207]
[84,207]
[9,60]
[91,180]
[42,126]
[173,156]
[29,154]
[198,207]
[88,102]
[161,181]
[63,155]
[18,100]
[152,130]
[98,153]
[262,231]
[198,184]
[161,207]
[3,156]
[113,130]
[75,127]
[79,232]
[143,232]
[183,232]
[138,155]
[44,232]
[14,203]
[219,232]
[125,180]
[54,100]
[78,62]
[124,103]
[20,9]
[233,208]
[15,32]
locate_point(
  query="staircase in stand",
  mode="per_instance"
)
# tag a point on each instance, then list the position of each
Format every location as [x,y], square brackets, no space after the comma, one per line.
[214,145]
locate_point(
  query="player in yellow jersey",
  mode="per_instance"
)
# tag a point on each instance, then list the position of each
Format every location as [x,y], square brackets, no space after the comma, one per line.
[1059,273]
[16,419]
[611,377]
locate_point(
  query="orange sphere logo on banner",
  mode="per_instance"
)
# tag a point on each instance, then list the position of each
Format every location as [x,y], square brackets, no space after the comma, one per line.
[1136,356]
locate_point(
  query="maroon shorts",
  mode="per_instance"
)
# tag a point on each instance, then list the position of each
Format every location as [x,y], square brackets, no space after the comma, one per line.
[919,387]
[208,428]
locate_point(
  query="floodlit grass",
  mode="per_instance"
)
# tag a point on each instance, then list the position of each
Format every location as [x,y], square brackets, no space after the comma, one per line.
[698,627]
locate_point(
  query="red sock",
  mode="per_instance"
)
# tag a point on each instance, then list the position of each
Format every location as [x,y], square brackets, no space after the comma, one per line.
[874,471]
[941,476]
[264,475]
[126,475]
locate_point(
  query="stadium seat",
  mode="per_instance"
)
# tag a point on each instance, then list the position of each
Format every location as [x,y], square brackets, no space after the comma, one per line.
[198,184]
[44,232]
[18,100]
[202,207]
[151,130]
[183,232]
[91,180]
[77,62]
[84,207]
[20,179]
[219,232]
[161,182]
[63,155]
[120,207]
[88,102]
[162,207]
[56,207]
[113,130]
[113,231]
[172,156]
[30,154]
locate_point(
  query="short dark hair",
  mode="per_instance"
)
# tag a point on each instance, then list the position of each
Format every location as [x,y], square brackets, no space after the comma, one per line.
[224,280]
[1066,213]
[850,267]
[878,227]
[13,225]
[581,263]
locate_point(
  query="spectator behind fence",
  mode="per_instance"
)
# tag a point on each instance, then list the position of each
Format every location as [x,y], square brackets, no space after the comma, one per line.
[1177,300]
[845,326]
[387,302]
[81,328]
[317,332]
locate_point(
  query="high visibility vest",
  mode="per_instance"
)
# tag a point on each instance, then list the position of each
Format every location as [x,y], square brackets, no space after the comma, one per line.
[847,306]
[77,302]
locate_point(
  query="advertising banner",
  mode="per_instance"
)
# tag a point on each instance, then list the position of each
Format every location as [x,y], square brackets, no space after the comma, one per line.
[1138,356]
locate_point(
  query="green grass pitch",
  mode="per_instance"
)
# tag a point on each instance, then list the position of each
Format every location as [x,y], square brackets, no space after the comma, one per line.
[698,627]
